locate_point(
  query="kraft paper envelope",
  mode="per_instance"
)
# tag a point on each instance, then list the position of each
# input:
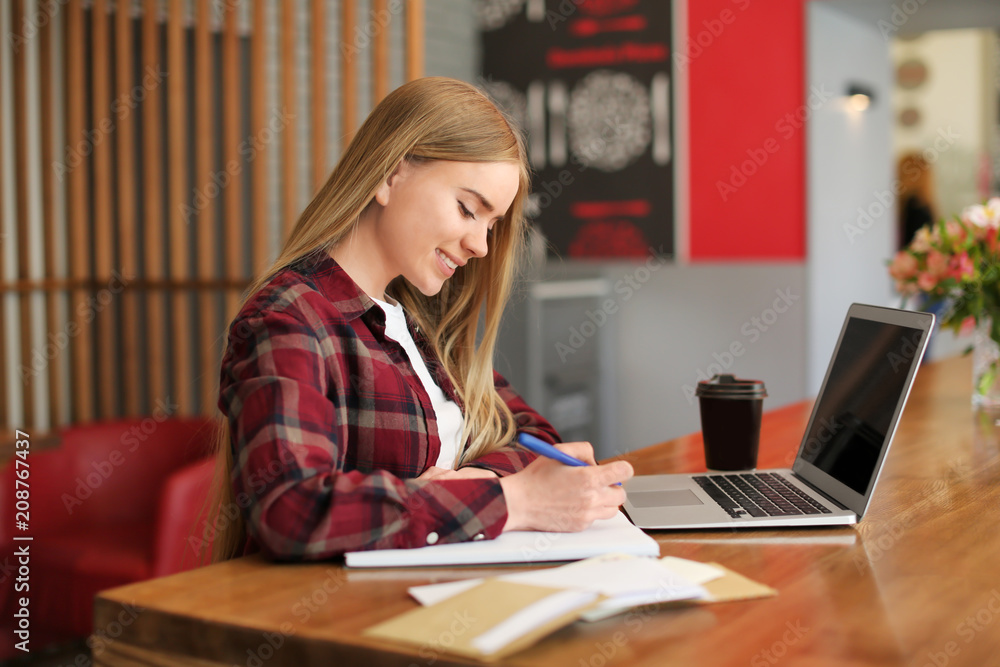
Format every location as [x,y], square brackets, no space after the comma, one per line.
[454,625]
[734,586]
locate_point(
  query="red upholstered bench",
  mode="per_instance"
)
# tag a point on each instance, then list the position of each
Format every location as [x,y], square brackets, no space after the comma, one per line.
[115,502]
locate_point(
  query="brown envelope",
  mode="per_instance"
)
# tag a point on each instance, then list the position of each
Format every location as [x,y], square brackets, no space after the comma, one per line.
[449,626]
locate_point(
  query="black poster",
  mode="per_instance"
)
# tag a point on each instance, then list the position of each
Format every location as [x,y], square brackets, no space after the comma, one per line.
[589,83]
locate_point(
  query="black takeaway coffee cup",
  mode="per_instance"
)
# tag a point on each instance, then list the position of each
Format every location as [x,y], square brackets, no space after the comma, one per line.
[730,421]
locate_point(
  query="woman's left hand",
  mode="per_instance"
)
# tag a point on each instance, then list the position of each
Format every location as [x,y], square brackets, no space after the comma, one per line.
[435,472]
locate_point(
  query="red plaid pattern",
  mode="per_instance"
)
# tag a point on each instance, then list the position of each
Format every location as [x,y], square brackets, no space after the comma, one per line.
[330,425]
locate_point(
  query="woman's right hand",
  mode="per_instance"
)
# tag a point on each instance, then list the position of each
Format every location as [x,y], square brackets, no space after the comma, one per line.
[551,496]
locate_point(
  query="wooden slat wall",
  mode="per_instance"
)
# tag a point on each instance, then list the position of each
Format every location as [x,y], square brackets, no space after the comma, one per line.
[127,216]
[77,218]
[318,67]
[132,203]
[290,175]
[49,193]
[414,39]
[380,54]
[179,196]
[5,418]
[231,136]
[348,74]
[28,380]
[103,257]
[156,381]
[258,119]
[204,66]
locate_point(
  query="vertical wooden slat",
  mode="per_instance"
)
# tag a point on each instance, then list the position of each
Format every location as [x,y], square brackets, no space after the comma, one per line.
[125,177]
[153,202]
[177,169]
[104,261]
[28,380]
[232,128]
[77,216]
[49,194]
[258,110]
[319,92]
[380,53]
[289,169]
[205,129]
[6,421]
[348,74]
[414,39]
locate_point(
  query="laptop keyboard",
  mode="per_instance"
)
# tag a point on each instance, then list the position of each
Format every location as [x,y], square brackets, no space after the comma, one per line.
[758,494]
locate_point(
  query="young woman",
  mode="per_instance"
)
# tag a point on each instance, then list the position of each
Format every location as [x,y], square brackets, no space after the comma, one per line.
[361,412]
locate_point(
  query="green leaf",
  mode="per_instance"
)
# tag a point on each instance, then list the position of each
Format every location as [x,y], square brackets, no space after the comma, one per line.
[986,379]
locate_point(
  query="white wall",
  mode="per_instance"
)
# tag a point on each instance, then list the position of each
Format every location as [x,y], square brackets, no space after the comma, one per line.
[952,100]
[850,174]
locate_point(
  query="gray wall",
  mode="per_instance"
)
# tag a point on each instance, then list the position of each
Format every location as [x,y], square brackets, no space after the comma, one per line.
[675,324]
[850,174]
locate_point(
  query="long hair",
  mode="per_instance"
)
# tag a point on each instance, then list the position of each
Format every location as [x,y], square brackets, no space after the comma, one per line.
[434,118]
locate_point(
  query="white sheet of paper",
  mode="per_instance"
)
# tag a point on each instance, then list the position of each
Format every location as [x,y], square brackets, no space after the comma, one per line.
[692,570]
[621,577]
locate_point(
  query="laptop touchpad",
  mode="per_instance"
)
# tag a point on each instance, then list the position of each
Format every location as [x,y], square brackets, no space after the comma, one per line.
[663,498]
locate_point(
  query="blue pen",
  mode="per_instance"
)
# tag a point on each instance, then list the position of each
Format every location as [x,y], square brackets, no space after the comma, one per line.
[542,448]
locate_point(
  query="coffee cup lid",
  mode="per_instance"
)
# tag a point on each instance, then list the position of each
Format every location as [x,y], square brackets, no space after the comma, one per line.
[729,386]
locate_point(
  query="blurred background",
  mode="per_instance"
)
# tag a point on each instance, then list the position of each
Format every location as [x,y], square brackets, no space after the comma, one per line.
[715,182]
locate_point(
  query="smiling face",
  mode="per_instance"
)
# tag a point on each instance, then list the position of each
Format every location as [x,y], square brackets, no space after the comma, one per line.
[429,218]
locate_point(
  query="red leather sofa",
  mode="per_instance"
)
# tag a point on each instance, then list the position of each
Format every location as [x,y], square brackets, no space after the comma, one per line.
[115,502]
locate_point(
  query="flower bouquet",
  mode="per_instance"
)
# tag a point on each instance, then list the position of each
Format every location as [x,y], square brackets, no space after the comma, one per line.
[956,264]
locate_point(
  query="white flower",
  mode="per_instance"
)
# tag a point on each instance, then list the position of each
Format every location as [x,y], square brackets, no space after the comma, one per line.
[983,216]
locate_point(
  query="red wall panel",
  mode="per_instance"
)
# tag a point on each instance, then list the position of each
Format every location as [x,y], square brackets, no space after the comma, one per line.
[747,111]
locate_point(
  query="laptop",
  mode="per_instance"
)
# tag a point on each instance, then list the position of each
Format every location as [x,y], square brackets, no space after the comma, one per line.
[842,451]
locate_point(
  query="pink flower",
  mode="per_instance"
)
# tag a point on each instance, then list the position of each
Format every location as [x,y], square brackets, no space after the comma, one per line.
[927,282]
[937,263]
[903,266]
[955,230]
[961,266]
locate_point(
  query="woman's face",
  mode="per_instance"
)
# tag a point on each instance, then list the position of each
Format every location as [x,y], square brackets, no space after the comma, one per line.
[433,217]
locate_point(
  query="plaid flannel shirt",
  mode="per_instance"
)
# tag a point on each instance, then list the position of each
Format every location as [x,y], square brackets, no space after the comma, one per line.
[330,425]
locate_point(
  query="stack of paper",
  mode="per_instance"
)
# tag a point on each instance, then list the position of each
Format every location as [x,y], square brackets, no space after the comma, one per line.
[491,618]
[623,584]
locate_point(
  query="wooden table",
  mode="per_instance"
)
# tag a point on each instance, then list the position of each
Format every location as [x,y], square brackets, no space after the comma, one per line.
[915,583]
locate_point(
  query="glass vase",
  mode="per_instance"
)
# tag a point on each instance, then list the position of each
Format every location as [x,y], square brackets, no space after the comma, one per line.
[985,368]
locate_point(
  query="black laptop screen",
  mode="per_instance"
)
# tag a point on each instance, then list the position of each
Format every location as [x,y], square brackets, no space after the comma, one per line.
[861,394]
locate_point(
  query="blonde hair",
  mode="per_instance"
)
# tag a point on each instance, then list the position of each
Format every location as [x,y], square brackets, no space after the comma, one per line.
[434,118]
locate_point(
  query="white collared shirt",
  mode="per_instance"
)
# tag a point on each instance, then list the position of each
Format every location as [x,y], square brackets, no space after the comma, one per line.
[448,414]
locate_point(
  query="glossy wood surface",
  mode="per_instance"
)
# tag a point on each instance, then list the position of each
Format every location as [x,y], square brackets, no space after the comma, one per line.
[915,583]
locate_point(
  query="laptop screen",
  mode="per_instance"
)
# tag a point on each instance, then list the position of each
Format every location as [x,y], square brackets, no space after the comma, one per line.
[854,413]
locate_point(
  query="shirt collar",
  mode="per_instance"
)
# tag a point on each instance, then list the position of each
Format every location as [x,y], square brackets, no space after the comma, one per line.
[335,284]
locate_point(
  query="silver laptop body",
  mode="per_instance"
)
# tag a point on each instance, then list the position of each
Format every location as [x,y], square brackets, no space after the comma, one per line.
[844,446]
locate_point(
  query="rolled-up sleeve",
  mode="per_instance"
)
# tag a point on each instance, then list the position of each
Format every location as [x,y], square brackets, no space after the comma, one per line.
[278,393]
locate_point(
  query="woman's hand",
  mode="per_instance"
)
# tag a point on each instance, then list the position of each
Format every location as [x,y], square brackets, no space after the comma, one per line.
[551,496]
[435,472]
